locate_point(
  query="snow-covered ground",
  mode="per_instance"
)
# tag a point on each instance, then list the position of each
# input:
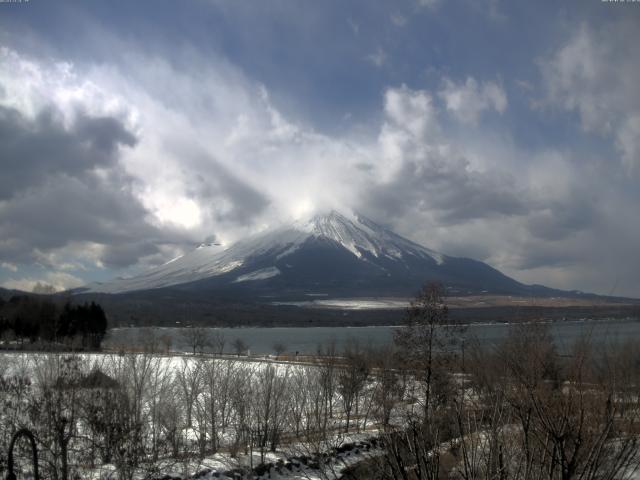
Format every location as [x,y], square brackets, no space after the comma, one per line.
[353,303]
[174,381]
[181,401]
[285,464]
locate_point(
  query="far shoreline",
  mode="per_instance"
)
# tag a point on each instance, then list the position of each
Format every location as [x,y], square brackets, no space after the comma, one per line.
[467,324]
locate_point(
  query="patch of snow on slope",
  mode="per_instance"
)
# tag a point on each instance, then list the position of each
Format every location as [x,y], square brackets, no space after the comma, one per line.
[261,274]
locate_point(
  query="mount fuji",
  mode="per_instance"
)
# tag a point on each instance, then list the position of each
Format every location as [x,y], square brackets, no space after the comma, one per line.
[331,255]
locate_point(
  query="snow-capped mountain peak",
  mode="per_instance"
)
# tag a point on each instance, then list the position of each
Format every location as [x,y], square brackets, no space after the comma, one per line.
[333,247]
[360,235]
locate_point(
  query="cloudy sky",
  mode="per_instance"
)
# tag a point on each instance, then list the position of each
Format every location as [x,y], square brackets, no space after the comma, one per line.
[504,131]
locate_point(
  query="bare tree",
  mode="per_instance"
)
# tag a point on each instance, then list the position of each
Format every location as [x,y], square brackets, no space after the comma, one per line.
[218,378]
[425,347]
[196,338]
[134,373]
[270,406]
[532,415]
[352,377]
[321,434]
[388,389]
[16,390]
[188,377]
[166,341]
[426,343]
[279,348]
[484,430]
[327,363]
[161,386]
[519,410]
[301,386]
[217,341]
[240,346]
[573,421]
[241,394]
[56,409]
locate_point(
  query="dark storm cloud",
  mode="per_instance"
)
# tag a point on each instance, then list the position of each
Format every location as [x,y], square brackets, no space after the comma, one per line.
[215,183]
[561,218]
[453,193]
[68,209]
[128,253]
[53,196]
[33,150]
[550,255]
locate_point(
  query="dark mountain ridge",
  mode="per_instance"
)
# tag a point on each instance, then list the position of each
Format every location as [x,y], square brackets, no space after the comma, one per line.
[283,275]
[330,255]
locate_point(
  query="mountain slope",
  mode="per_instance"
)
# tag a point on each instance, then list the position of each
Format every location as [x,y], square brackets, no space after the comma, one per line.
[330,254]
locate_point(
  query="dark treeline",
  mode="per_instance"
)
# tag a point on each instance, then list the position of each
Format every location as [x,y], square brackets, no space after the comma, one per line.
[34,319]
[174,308]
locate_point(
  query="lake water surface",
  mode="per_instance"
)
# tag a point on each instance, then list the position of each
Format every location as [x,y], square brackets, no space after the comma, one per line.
[306,340]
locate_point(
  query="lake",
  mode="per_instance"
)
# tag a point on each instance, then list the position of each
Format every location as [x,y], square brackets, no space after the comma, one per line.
[306,340]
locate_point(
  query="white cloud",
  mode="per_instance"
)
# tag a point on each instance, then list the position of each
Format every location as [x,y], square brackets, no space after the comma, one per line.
[355,27]
[467,101]
[398,19]
[207,160]
[412,110]
[202,152]
[30,86]
[525,85]
[58,280]
[530,214]
[377,58]
[431,4]
[9,266]
[409,131]
[595,73]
